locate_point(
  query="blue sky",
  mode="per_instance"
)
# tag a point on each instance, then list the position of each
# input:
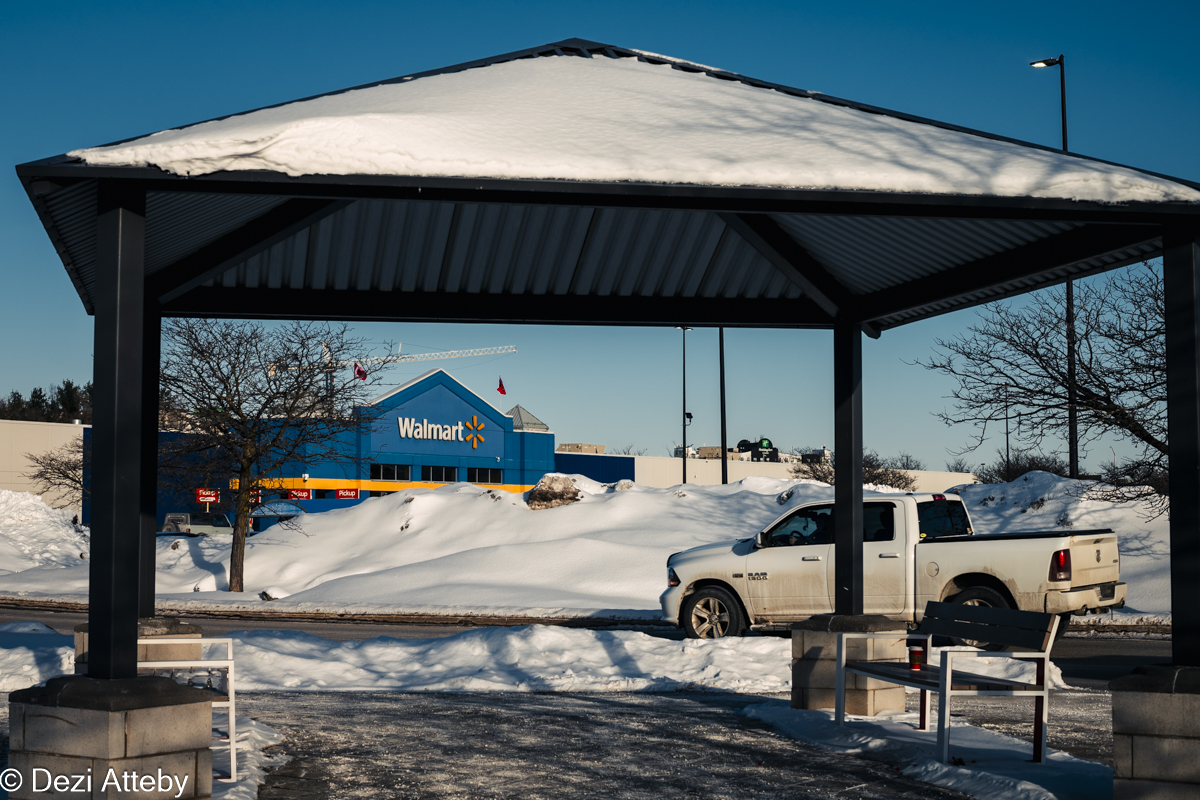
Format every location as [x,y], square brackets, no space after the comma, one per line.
[79,74]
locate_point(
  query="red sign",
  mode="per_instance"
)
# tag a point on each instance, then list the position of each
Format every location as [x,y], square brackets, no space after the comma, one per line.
[299,494]
[256,496]
[347,494]
[208,496]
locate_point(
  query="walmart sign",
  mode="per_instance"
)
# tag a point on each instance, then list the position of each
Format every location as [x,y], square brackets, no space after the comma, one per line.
[471,432]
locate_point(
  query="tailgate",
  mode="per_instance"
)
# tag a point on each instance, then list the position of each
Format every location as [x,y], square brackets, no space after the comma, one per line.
[1094,559]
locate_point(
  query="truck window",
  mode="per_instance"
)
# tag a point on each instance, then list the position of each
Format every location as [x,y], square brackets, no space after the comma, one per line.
[815,526]
[807,526]
[220,521]
[942,518]
[879,522]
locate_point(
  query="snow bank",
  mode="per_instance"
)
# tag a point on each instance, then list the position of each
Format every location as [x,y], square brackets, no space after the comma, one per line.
[603,119]
[32,534]
[1042,501]
[463,549]
[466,550]
[995,766]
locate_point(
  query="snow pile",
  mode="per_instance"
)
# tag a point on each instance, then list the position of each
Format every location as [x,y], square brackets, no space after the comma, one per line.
[32,534]
[465,550]
[1046,502]
[994,766]
[603,119]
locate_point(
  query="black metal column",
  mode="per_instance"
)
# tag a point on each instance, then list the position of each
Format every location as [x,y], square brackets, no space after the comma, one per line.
[724,443]
[1181,272]
[847,465]
[116,434]
[151,350]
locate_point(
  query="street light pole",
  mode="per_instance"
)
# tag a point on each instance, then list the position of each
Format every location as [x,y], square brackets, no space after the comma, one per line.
[683,451]
[724,443]
[1072,411]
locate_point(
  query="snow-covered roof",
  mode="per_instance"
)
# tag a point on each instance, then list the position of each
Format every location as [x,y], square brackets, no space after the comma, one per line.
[628,116]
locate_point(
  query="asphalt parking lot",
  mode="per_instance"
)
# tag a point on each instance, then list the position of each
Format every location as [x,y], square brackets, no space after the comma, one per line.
[609,745]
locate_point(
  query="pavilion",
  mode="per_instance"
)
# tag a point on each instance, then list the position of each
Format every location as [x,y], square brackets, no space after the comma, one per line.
[584,183]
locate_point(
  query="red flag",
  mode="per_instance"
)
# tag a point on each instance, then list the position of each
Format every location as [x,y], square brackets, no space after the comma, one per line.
[500,388]
[360,373]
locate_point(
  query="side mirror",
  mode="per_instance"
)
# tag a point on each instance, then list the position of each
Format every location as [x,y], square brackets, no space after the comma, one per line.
[761,540]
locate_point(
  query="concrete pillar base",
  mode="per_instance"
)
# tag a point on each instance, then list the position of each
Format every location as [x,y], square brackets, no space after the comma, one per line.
[1156,734]
[148,627]
[814,663]
[82,737]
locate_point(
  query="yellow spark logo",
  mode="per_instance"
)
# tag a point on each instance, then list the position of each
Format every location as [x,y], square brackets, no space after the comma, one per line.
[475,426]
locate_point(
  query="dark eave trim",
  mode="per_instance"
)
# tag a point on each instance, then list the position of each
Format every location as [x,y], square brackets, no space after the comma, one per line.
[732,199]
[461,307]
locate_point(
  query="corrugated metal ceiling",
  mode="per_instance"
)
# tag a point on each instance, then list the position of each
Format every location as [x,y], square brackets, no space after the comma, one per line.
[502,249]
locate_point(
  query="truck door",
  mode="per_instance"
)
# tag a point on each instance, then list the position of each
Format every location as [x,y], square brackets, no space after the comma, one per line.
[885,559]
[788,578]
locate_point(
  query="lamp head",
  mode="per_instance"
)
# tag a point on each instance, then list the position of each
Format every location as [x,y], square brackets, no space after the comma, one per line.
[1047,62]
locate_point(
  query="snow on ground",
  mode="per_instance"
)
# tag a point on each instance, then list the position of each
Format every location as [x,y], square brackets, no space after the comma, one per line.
[463,549]
[533,658]
[994,766]
[31,653]
[603,119]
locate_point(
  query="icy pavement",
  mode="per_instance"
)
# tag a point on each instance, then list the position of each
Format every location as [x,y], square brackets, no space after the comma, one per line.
[534,746]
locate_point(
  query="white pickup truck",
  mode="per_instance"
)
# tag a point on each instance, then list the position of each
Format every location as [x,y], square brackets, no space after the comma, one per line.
[916,548]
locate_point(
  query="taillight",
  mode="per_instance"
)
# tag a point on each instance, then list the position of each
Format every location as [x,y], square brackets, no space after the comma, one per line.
[939,497]
[1060,566]
[672,578]
[187,530]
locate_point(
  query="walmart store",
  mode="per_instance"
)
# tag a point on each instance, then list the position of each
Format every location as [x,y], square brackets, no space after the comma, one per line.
[431,431]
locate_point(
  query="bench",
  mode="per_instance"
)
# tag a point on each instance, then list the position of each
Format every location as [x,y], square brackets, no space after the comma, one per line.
[226,699]
[1019,634]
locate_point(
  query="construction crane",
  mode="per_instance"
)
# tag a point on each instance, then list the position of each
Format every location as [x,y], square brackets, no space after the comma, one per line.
[400,358]
[332,366]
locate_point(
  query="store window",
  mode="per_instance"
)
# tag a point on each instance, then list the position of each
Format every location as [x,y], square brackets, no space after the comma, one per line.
[484,475]
[431,474]
[390,472]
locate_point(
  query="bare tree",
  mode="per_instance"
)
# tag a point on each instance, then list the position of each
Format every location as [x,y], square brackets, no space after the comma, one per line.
[60,471]
[960,464]
[629,450]
[1011,369]
[252,402]
[876,470]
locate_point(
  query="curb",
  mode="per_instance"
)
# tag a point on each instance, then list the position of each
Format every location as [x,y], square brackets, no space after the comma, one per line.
[474,620]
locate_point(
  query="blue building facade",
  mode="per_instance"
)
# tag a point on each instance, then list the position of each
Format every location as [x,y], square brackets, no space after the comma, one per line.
[431,431]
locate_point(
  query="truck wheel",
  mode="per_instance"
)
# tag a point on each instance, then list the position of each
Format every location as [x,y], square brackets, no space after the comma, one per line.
[712,613]
[978,596]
